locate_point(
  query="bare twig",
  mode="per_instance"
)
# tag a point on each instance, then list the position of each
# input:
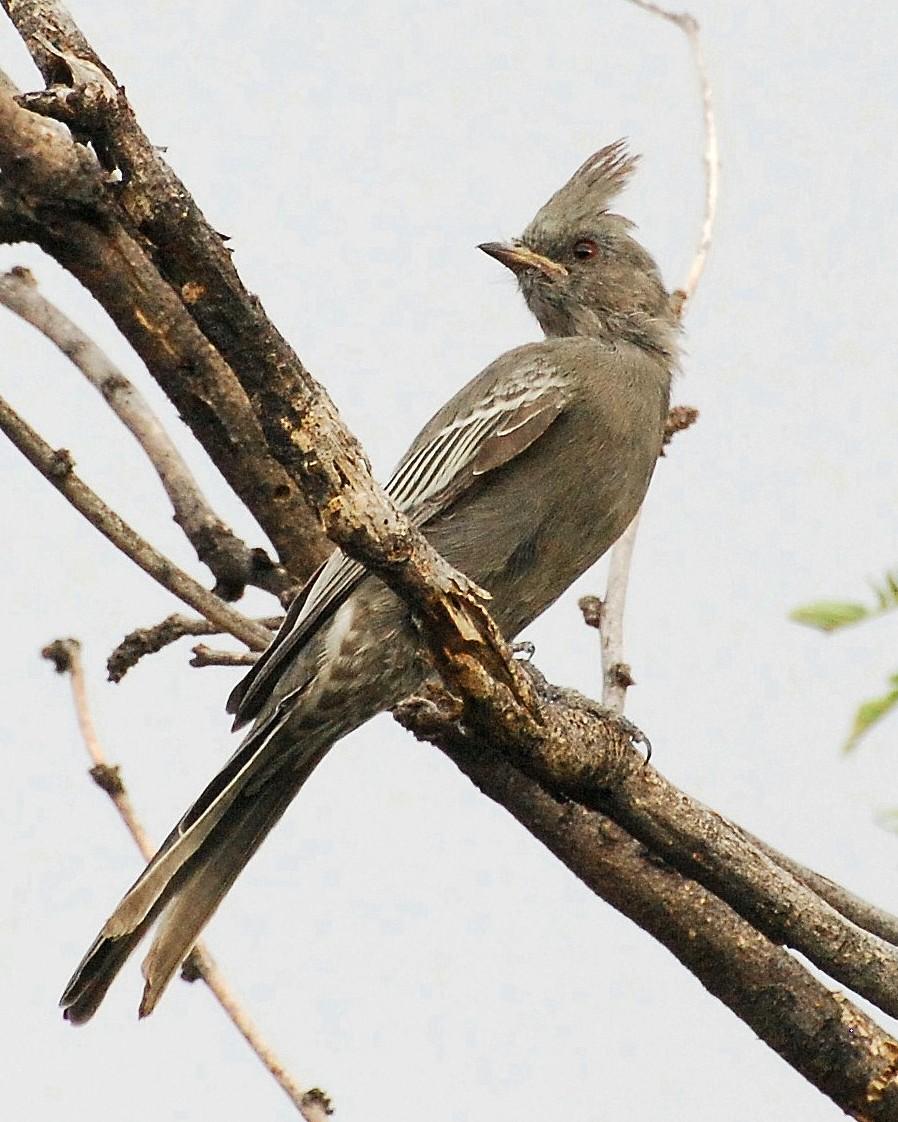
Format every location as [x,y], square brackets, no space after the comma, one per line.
[206,656]
[65,654]
[56,465]
[616,676]
[232,562]
[149,640]
[680,418]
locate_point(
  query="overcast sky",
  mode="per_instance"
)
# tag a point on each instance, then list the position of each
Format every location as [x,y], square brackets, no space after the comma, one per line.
[401,940]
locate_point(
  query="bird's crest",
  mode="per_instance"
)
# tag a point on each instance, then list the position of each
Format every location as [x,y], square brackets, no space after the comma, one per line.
[597,181]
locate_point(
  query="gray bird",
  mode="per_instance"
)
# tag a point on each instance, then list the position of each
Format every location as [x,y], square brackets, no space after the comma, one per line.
[522,481]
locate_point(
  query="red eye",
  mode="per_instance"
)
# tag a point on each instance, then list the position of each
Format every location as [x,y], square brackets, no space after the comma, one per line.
[585,249]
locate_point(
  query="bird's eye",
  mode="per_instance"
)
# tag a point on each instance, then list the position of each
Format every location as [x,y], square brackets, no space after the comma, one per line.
[585,248]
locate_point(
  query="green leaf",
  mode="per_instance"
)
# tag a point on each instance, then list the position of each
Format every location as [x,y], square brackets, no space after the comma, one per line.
[871,712]
[887,593]
[830,615]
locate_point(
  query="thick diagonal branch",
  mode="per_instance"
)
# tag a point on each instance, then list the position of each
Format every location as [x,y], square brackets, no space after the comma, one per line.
[828,1040]
[54,193]
[580,752]
[300,423]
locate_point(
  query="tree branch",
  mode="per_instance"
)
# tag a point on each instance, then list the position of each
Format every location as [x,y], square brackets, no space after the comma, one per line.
[582,753]
[616,676]
[828,1040]
[300,422]
[232,562]
[57,465]
[206,656]
[65,654]
[149,640]
[54,193]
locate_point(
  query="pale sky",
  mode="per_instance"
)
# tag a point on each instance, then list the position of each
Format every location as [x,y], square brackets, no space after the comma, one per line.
[400,939]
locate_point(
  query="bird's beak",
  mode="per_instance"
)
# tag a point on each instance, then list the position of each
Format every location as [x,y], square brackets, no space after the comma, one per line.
[518,257]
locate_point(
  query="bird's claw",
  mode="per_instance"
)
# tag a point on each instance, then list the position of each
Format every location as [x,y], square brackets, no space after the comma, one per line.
[633,733]
[523,650]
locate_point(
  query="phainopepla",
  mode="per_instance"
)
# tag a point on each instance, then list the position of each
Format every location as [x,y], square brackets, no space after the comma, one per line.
[523,480]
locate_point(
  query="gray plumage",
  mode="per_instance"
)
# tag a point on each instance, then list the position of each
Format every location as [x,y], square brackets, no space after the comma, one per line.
[523,480]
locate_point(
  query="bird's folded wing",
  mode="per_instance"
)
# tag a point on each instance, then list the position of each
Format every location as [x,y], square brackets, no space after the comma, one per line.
[439,467]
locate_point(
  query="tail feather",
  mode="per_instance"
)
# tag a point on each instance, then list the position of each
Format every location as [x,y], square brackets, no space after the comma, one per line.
[193,829]
[240,833]
[194,868]
[96,973]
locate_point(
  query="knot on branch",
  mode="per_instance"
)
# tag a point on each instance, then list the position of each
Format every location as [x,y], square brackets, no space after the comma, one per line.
[316,1104]
[108,778]
[680,418]
[61,465]
[62,653]
[82,94]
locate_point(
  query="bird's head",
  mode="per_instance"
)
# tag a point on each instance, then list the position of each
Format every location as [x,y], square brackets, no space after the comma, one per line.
[579,269]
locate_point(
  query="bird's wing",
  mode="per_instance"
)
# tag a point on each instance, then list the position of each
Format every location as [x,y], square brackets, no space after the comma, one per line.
[451,454]
[461,444]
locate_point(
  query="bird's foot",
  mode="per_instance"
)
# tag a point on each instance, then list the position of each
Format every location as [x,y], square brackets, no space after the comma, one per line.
[632,732]
[523,650]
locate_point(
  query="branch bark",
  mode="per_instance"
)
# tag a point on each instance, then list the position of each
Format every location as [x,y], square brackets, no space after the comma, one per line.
[149,640]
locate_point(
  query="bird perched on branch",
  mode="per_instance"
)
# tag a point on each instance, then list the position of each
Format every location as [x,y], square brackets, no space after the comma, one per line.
[522,481]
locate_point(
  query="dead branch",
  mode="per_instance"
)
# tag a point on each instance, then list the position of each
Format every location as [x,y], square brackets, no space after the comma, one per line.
[206,656]
[150,640]
[65,654]
[232,562]
[57,466]
[55,193]
[616,676]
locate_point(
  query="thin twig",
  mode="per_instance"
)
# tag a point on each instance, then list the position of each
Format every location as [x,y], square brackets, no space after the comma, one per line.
[149,640]
[616,675]
[232,562]
[207,656]
[680,418]
[56,465]
[615,672]
[689,25]
[65,654]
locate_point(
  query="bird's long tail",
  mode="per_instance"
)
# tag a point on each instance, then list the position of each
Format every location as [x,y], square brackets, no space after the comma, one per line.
[194,868]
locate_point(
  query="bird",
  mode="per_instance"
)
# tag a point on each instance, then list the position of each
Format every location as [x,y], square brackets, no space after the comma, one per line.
[521,481]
